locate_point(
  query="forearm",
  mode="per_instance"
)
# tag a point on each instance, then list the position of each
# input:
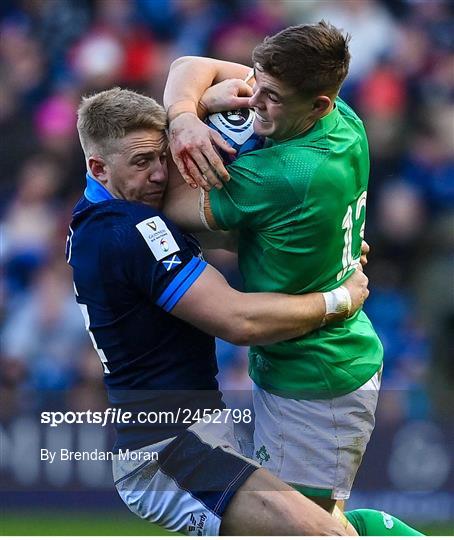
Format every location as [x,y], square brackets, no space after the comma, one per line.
[271,317]
[190,76]
[195,147]
[248,318]
[188,79]
[181,203]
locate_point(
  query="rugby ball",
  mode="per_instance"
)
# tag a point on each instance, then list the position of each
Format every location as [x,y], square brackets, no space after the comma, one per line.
[237,128]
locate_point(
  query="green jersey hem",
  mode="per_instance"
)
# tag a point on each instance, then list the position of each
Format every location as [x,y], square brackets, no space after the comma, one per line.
[312,491]
[311,394]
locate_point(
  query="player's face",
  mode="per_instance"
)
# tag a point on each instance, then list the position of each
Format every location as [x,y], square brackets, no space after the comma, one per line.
[279,113]
[138,170]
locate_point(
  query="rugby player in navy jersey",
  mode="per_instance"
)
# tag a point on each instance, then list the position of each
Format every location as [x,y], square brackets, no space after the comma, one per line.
[151,305]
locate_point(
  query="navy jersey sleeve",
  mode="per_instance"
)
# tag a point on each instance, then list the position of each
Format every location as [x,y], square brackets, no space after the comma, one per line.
[151,255]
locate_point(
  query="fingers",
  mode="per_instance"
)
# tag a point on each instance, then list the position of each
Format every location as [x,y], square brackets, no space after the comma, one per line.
[201,168]
[227,95]
[221,143]
[365,290]
[361,275]
[243,88]
[185,165]
[194,150]
[357,284]
[240,103]
[207,169]
[198,171]
[193,172]
[365,248]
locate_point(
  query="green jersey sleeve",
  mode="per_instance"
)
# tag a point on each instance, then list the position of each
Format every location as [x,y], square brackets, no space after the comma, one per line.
[236,206]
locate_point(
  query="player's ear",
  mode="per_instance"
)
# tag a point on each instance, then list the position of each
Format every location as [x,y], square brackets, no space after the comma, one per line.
[321,105]
[97,168]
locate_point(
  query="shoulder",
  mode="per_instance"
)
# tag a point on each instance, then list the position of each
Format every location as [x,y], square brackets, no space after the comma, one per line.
[258,165]
[124,226]
[298,158]
[131,212]
[147,228]
[118,213]
[262,174]
[346,111]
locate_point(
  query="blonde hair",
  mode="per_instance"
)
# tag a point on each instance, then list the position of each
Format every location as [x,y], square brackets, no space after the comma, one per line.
[106,117]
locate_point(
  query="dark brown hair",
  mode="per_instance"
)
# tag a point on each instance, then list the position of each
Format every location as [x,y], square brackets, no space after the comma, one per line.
[311,59]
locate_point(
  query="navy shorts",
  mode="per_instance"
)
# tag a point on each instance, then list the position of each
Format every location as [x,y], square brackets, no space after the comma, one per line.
[184,483]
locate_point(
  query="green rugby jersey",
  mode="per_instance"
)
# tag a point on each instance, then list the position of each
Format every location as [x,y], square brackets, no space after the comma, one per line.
[300,207]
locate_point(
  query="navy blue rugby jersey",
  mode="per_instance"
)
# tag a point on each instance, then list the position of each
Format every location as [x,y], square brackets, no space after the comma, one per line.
[131,265]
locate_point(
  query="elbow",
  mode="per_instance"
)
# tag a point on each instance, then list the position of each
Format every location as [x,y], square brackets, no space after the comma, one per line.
[178,62]
[239,323]
[237,338]
[242,332]
[182,60]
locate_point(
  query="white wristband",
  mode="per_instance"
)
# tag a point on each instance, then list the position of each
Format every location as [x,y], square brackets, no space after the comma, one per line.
[338,301]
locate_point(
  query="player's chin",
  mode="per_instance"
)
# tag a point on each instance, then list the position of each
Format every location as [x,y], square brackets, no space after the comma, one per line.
[262,128]
[154,199]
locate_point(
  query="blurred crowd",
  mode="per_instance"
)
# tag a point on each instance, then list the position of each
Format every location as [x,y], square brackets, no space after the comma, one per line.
[401,83]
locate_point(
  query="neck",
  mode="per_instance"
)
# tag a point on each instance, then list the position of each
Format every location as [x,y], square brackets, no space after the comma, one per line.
[309,123]
[329,109]
[106,186]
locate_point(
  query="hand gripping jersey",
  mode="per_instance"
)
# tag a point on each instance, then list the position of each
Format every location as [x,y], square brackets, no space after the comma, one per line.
[130,267]
[300,207]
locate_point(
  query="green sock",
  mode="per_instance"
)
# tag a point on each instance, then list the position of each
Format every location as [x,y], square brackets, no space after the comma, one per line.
[374,523]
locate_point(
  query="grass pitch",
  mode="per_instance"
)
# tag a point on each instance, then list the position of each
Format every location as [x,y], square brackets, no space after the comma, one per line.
[47,523]
[57,523]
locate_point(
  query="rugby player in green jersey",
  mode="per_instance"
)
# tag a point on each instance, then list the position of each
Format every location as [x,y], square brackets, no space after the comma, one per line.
[299,206]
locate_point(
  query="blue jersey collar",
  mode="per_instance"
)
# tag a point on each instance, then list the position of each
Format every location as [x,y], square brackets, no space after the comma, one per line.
[96,192]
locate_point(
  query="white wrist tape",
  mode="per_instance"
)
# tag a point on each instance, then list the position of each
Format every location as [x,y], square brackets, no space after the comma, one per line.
[338,301]
[203,219]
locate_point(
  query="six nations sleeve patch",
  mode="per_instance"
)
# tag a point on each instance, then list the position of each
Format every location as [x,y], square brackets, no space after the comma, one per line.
[158,237]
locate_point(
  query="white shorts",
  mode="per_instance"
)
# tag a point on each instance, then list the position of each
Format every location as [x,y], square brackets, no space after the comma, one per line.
[315,445]
[189,486]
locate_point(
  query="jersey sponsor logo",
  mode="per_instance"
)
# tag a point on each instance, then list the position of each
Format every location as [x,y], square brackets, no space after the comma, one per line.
[262,455]
[158,237]
[170,263]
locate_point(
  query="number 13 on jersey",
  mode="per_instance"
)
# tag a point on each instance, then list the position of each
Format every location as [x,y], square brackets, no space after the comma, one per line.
[348,224]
